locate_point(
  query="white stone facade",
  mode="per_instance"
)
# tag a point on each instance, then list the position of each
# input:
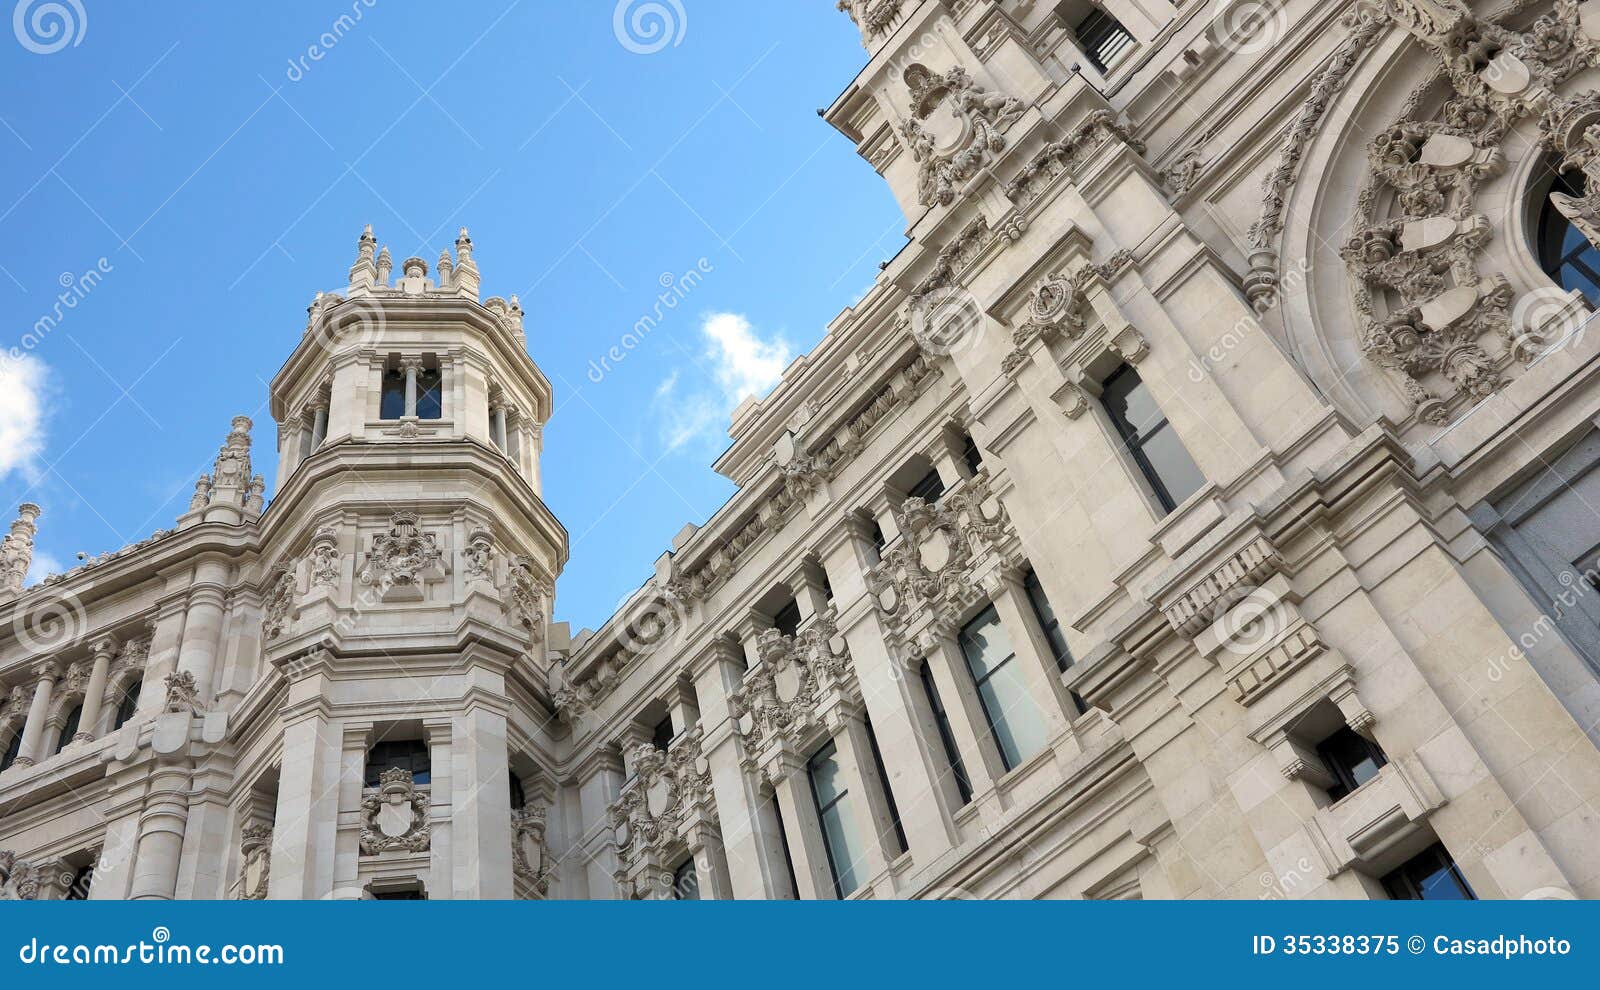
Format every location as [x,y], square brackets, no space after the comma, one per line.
[1199,506]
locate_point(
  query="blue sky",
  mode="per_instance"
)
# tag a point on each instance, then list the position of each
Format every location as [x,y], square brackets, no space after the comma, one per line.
[215,176]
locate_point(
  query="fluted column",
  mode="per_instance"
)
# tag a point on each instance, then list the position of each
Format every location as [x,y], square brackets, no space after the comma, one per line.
[33,730]
[94,694]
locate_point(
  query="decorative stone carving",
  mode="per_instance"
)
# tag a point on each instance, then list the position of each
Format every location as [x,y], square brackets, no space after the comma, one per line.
[256,869]
[955,127]
[525,598]
[22,881]
[16,549]
[402,560]
[529,859]
[182,693]
[232,470]
[324,558]
[396,816]
[873,17]
[202,493]
[478,558]
[783,695]
[932,574]
[1069,153]
[669,792]
[279,601]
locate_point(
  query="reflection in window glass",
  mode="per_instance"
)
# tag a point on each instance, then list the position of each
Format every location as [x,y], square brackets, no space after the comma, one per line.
[1002,689]
[1150,439]
[1564,253]
[838,837]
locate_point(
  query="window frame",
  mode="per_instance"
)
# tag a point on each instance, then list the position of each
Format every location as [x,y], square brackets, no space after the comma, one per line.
[1403,884]
[1008,761]
[829,751]
[1134,438]
[947,737]
[420,754]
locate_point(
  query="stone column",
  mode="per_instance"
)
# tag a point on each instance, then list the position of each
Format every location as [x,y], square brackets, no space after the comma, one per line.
[166,814]
[500,440]
[94,694]
[412,366]
[319,423]
[306,818]
[754,851]
[599,782]
[866,807]
[535,448]
[804,831]
[166,633]
[202,629]
[710,864]
[480,806]
[46,673]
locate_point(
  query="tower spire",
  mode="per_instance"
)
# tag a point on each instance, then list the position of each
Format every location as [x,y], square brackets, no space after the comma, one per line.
[16,549]
[466,274]
[364,273]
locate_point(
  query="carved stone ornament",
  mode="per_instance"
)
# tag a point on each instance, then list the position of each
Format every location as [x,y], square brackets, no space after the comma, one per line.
[955,127]
[396,816]
[1056,310]
[16,549]
[279,601]
[478,558]
[529,859]
[24,881]
[668,792]
[256,869]
[1069,153]
[324,558]
[525,598]
[873,17]
[932,574]
[783,696]
[1426,310]
[403,560]
[232,469]
[182,693]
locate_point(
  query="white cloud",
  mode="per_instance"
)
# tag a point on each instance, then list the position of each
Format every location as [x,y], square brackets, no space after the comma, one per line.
[42,566]
[23,383]
[740,364]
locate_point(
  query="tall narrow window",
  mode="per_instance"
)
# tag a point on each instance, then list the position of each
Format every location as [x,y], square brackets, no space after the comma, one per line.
[12,751]
[661,736]
[392,400]
[430,394]
[1431,875]
[787,619]
[1002,690]
[685,882]
[69,728]
[82,880]
[128,706]
[879,541]
[1102,37]
[888,791]
[519,798]
[1051,626]
[1150,440]
[947,738]
[770,808]
[409,754]
[971,455]
[829,791]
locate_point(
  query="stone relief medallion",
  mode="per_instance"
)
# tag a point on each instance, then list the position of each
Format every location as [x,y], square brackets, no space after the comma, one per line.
[396,817]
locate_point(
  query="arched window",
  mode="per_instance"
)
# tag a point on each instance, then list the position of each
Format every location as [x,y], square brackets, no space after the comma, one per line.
[69,728]
[1564,252]
[13,750]
[128,706]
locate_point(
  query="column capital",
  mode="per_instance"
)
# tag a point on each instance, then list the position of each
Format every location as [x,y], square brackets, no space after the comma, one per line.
[46,670]
[104,647]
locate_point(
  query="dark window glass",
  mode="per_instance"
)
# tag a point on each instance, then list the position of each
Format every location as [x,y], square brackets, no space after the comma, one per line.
[69,728]
[399,895]
[1150,440]
[13,750]
[1431,875]
[828,789]
[1352,758]
[1564,253]
[392,402]
[972,455]
[1102,38]
[518,798]
[928,489]
[81,881]
[878,539]
[783,840]
[661,737]
[888,791]
[947,739]
[787,619]
[685,882]
[827,587]
[1002,691]
[430,394]
[410,754]
[128,706]
[1052,629]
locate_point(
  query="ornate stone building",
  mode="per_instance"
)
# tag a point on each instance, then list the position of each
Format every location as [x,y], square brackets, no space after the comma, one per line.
[1203,504]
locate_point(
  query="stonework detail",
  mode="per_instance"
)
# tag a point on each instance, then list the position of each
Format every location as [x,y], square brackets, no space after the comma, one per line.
[16,549]
[395,816]
[256,869]
[792,689]
[529,858]
[668,792]
[954,127]
[402,560]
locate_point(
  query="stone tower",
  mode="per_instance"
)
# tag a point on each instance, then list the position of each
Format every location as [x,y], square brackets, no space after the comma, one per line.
[406,577]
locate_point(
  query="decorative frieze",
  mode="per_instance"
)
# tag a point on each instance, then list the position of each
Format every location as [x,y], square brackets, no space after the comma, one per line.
[668,794]
[955,127]
[1069,153]
[1239,573]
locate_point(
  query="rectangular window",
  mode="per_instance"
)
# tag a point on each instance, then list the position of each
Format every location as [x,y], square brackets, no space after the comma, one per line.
[787,619]
[1431,875]
[410,754]
[1103,38]
[1051,627]
[888,791]
[1150,440]
[947,739]
[971,454]
[661,736]
[828,788]
[1002,690]
[928,489]
[1352,758]
[685,882]
[430,394]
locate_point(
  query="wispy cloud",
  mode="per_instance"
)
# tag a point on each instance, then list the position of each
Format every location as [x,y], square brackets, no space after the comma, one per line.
[24,381]
[740,363]
[42,566]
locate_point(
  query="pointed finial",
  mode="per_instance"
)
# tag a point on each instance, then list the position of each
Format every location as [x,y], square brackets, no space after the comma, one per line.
[16,550]
[362,273]
[385,266]
[466,273]
[445,268]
